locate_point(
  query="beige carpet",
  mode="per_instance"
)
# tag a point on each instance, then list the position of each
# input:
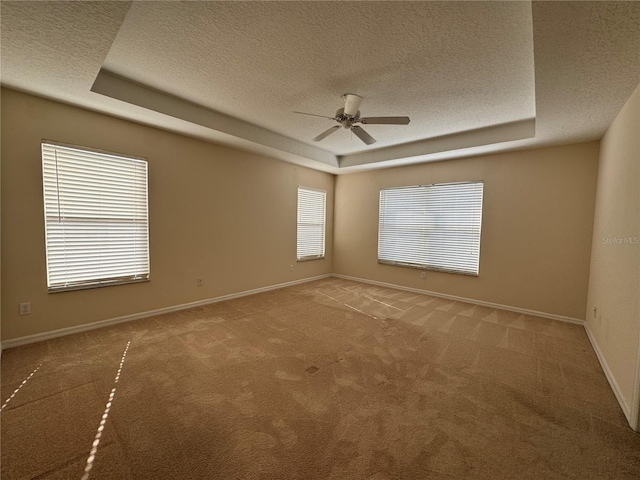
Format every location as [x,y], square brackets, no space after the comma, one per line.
[325,380]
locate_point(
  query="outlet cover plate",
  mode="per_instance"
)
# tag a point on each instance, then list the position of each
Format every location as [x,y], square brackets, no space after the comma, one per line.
[25,308]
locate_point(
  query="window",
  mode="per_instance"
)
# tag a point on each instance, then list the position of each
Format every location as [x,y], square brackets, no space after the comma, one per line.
[435,227]
[96,222]
[311,216]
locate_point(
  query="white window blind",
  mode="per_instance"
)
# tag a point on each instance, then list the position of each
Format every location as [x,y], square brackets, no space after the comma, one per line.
[435,227]
[311,223]
[96,218]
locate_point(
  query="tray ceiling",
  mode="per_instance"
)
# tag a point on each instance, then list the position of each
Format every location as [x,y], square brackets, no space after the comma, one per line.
[474,77]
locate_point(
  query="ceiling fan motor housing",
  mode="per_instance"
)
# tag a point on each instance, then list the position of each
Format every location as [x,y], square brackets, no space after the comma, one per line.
[351,103]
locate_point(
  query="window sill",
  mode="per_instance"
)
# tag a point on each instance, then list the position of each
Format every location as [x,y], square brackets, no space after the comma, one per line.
[97,284]
[431,269]
[309,259]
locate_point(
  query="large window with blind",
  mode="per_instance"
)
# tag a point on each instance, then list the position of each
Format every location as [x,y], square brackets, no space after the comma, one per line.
[434,227]
[96,218]
[311,223]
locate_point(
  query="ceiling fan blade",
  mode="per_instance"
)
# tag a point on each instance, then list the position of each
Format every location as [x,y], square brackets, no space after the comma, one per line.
[385,120]
[314,115]
[351,103]
[362,135]
[326,133]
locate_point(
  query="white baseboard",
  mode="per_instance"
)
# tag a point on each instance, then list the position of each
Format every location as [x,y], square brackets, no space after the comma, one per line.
[525,311]
[39,337]
[626,409]
[635,402]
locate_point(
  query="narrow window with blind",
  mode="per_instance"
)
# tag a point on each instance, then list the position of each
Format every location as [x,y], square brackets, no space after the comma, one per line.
[311,223]
[434,227]
[96,218]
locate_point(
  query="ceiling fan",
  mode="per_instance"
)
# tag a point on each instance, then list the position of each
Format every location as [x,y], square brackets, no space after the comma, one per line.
[348,116]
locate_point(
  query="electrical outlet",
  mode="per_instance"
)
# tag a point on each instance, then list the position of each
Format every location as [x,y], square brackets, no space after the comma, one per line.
[291,268]
[199,282]
[25,308]
[423,275]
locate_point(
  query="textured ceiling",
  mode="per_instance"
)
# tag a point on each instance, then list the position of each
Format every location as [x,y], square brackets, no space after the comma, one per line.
[261,61]
[57,48]
[473,76]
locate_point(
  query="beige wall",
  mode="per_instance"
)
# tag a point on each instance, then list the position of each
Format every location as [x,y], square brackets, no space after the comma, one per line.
[536,227]
[229,217]
[216,213]
[614,285]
